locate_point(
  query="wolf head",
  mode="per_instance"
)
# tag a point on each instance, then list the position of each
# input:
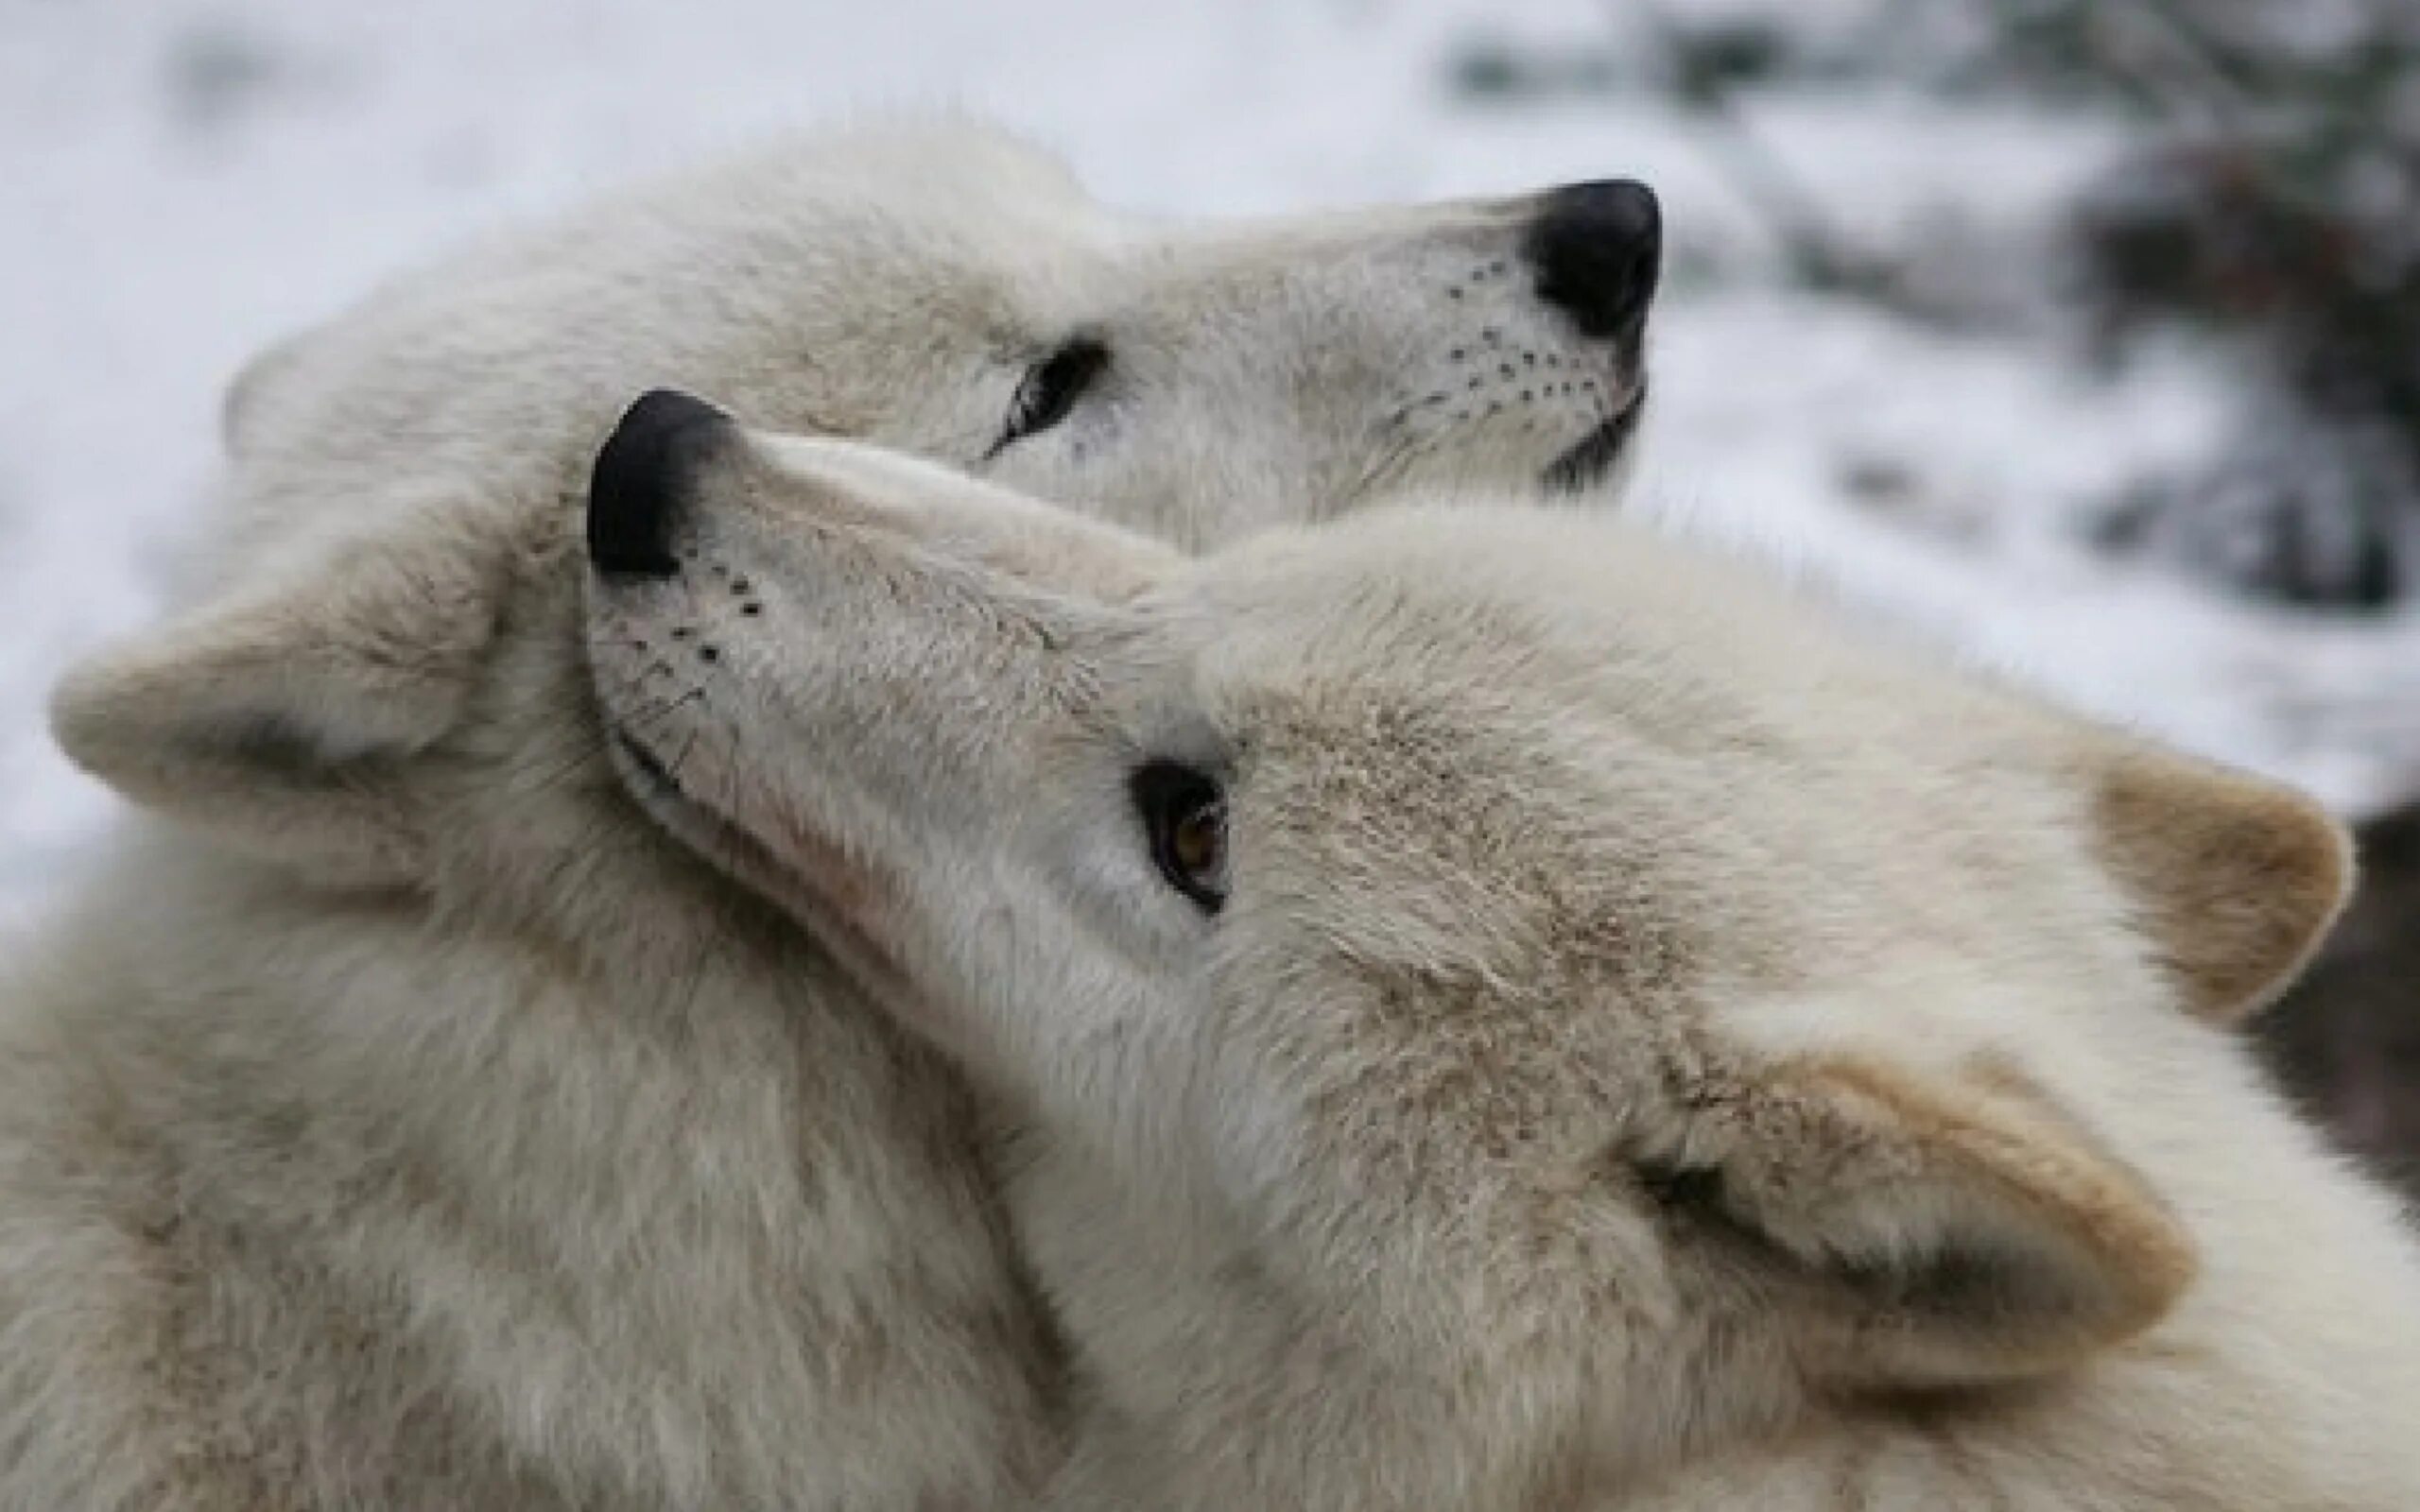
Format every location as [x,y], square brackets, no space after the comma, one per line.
[952,293]
[392,600]
[1544,966]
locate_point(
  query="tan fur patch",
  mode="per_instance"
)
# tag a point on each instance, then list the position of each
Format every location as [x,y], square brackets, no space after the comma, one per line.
[2049,1166]
[2237,880]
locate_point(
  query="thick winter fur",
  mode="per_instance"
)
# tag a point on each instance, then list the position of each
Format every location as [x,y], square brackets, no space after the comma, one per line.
[402,1119]
[1644,1045]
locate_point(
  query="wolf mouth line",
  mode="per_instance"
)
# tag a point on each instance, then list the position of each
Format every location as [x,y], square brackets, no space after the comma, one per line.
[1587,461]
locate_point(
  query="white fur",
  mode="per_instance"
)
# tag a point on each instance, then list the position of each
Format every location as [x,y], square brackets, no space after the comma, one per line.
[401,1121]
[1658,1050]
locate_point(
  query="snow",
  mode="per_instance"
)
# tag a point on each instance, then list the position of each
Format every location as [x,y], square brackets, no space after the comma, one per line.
[181,181]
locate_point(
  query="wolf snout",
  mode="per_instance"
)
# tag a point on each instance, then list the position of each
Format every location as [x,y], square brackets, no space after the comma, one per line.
[642,479]
[1597,249]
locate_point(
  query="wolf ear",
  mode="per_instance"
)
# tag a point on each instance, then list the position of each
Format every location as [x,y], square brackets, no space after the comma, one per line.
[240,407]
[2235,879]
[279,717]
[1923,1236]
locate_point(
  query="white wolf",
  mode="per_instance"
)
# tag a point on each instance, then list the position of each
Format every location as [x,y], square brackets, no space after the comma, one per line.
[1512,1014]
[402,1119]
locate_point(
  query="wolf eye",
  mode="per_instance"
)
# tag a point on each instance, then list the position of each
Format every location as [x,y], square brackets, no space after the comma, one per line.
[1184,818]
[1050,390]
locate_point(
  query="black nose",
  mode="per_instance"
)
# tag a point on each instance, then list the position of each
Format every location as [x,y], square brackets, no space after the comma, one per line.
[1596,249]
[642,479]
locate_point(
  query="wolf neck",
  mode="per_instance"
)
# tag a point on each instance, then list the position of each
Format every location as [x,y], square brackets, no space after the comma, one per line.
[589,1205]
[2309,1277]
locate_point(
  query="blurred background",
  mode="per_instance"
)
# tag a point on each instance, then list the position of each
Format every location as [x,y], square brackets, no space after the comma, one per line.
[2087,331]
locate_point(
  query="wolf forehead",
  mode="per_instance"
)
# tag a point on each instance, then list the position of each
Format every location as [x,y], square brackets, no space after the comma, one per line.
[1510,662]
[1555,737]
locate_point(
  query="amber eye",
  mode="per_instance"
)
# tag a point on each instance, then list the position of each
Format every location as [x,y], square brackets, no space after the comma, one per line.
[1184,818]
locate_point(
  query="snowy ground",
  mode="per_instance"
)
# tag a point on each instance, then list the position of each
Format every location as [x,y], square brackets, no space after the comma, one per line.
[182,179]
